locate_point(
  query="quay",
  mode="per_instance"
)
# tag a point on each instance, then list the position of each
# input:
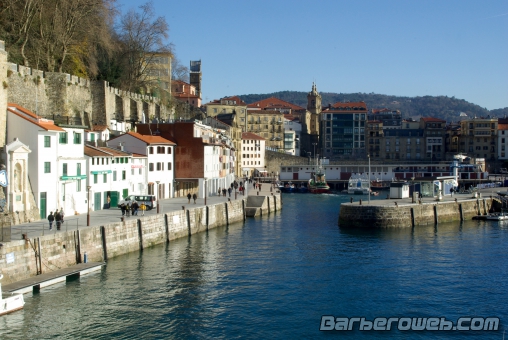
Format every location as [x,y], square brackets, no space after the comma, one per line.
[403,213]
[34,250]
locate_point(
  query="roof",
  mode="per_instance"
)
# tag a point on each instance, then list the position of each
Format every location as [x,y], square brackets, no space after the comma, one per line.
[31,117]
[273,103]
[502,126]
[250,136]
[432,119]
[237,99]
[96,151]
[100,128]
[345,106]
[148,139]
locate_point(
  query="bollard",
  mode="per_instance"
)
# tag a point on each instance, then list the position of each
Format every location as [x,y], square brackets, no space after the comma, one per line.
[229,199]
[258,193]
[85,258]
[351,199]
[183,207]
[360,201]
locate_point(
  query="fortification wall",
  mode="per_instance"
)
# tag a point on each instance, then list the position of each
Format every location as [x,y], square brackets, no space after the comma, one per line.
[274,160]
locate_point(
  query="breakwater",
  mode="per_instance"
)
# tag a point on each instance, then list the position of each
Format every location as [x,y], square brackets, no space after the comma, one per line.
[390,214]
[25,258]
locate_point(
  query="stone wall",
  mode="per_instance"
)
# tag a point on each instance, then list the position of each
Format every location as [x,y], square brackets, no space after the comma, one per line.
[408,215]
[65,249]
[274,160]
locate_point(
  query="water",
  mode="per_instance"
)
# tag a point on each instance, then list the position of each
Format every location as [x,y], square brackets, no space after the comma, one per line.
[275,277]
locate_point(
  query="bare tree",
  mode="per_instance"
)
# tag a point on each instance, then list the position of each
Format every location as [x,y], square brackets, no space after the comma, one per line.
[143,36]
[178,71]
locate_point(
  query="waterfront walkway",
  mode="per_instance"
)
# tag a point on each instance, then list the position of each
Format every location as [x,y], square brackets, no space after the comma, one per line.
[106,216]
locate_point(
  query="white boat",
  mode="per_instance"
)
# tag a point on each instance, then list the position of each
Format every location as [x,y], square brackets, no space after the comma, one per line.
[497,217]
[358,185]
[11,303]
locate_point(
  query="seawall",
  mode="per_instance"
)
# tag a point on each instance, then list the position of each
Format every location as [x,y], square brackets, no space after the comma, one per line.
[26,258]
[408,215]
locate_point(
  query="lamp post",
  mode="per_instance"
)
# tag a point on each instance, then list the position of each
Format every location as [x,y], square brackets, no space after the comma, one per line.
[368,156]
[158,196]
[88,210]
[413,193]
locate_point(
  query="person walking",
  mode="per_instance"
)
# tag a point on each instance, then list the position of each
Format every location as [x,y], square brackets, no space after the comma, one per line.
[143,208]
[229,192]
[51,218]
[194,197]
[58,219]
[122,207]
[224,192]
[189,197]
[127,210]
[62,214]
[135,207]
[220,191]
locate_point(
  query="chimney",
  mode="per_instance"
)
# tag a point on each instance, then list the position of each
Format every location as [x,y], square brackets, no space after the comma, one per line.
[120,145]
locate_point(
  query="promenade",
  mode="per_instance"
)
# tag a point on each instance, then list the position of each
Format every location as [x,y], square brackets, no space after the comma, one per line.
[106,216]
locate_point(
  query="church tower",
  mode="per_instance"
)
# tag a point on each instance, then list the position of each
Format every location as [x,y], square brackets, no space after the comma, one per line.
[314,100]
[310,124]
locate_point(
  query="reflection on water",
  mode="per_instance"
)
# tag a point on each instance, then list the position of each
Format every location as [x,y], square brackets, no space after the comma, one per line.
[274,277]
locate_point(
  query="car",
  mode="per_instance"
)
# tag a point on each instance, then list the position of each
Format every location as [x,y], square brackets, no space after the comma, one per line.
[149,201]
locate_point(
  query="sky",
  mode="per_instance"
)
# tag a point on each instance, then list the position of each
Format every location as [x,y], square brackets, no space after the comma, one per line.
[455,48]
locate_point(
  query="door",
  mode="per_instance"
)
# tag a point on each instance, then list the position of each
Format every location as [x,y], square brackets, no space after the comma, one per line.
[97,201]
[42,206]
[125,193]
[105,200]
[114,198]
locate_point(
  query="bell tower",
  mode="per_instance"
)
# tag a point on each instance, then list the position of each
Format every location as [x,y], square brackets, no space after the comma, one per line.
[314,100]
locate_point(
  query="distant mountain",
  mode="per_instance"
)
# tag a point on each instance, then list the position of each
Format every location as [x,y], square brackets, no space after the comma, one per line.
[447,108]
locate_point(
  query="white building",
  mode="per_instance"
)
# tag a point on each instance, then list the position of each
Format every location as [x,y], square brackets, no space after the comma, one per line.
[292,135]
[159,153]
[56,165]
[502,141]
[111,176]
[253,153]
[97,133]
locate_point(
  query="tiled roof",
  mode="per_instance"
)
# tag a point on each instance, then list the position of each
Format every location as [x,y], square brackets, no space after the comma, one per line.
[100,128]
[273,102]
[502,126]
[95,151]
[237,99]
[31,117]
[432,119]
[149,139]
[340,105]
[250,136]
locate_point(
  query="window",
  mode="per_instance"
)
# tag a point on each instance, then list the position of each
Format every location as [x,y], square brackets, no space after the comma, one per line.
[47,141]
[64,169]
[161,149]
[78,185]
[150,150]
[47,167]
[95,180]
[92,137]
[63,137]
[159,166]
[150,167]
[124,174]
[78,169]
[114,176]
[105,178]
[77,138]
[169,165]
[169,151]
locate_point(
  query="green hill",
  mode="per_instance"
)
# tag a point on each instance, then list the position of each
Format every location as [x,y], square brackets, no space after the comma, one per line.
[447,108]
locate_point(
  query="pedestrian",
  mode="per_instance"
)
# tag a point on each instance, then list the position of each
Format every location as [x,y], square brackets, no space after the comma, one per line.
[224,192]
[58,219]
[451,191]
[127,209]
[62,214]
[189,197]
[254,185]
[241,190]
[195,197]
[122,207]
[259,186]
[143,208]
[220,191]
[51,218]
[135,207]
[229,192]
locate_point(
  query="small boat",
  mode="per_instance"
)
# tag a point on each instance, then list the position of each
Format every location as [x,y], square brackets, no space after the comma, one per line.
[317,184]
[11,303]
[302,189]
[497,217]
[358,185]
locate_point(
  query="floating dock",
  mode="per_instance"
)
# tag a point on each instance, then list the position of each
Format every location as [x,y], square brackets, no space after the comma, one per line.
[35,283]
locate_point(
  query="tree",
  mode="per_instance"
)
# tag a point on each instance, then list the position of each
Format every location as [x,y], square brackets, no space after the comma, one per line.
[178,71]
[142,37]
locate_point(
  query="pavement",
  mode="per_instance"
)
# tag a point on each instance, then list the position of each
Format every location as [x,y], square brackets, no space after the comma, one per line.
[106,216]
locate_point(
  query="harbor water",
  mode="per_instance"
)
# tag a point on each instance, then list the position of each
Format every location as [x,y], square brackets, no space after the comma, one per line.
[275,277]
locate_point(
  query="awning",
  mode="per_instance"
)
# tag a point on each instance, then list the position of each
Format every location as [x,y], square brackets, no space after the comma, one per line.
[73,177]
[101,172]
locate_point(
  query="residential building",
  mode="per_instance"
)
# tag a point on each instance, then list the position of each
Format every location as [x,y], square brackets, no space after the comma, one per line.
[434,135]
[292,134]
[56,165]
[479,137]
[391,119]
[159,153]
[109,176]
[343,130]
[253,153]
[502,140]
[185,93]
[97,135]
[158,71]
[269,125]
[229,105]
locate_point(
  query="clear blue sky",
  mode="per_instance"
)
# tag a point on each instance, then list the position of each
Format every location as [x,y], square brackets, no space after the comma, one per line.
[408,47]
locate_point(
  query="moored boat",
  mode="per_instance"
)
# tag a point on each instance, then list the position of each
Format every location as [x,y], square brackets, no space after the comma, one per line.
[317,184]
[11,303]
[497,216]
[358,185]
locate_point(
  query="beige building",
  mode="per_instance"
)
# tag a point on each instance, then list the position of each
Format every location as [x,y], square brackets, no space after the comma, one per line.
[269,125]
[229,105]
[478,138]
[158,71]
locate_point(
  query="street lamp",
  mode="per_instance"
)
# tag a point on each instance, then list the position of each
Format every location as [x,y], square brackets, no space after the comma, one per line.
[88,210]
[158,196]
[413,193]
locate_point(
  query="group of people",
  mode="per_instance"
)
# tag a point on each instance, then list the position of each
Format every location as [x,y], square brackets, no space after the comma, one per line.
[193,196]
[132,208]
[58,217]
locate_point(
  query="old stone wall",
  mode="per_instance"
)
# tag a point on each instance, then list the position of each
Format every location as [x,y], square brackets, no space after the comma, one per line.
[65,249]
[274,160]
[407,215]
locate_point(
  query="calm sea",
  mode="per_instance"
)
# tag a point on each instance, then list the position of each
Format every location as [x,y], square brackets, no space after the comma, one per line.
[274,277]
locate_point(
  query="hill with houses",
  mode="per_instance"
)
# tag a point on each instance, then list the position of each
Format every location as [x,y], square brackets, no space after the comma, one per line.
[450,109]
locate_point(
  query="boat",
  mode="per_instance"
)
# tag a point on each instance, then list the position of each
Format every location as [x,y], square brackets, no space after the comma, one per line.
[497,216]
[302,189]
[358,185]
[288,187]
[380,185]
[317,184]
[11,303]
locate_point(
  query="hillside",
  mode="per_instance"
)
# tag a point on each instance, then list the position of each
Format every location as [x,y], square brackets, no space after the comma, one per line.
[447,108]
